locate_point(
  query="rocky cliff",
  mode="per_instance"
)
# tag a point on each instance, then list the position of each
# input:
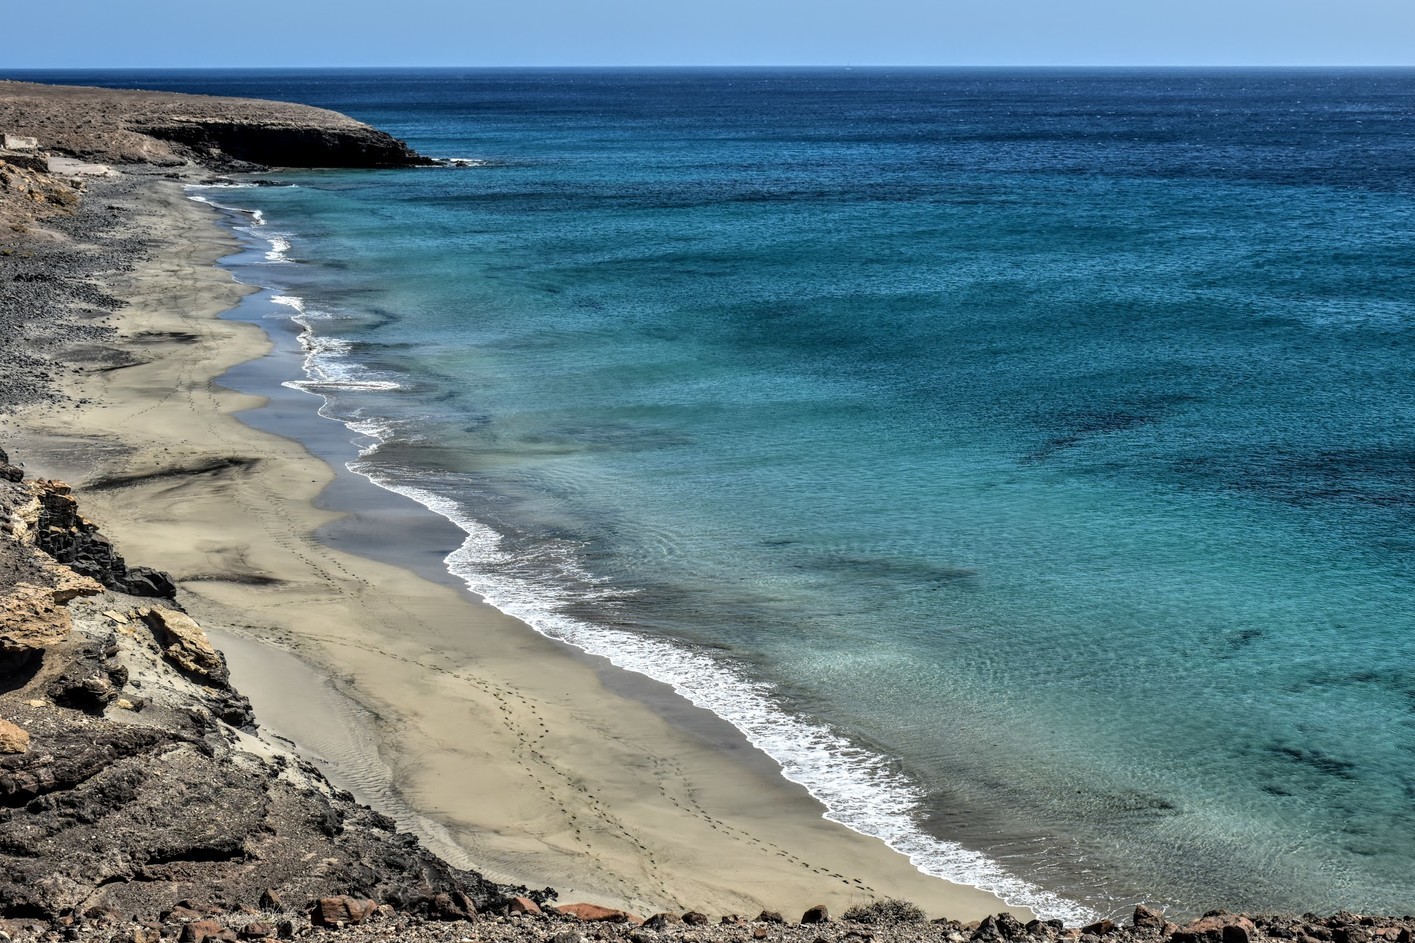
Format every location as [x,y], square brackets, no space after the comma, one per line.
[126,126]
[133,779]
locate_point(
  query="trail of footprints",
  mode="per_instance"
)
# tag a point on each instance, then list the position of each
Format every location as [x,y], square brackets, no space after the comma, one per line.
[547,776]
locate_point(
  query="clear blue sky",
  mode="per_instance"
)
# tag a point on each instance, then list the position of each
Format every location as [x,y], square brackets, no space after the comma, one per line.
[162,33]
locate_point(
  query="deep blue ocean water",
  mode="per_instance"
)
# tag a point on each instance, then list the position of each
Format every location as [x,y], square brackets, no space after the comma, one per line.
[1024,459]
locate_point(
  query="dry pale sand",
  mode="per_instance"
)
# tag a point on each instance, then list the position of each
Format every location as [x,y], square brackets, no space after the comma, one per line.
[510,753]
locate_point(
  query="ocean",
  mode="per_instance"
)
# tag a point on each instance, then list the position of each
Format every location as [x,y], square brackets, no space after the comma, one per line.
[1023,459]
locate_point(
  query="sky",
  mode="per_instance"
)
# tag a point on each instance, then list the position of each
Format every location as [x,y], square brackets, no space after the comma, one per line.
[273,33]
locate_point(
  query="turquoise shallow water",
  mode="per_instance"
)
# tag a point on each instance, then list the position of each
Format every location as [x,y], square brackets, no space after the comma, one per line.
[1023,459]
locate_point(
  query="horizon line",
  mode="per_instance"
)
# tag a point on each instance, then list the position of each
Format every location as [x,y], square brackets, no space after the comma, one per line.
[704,66]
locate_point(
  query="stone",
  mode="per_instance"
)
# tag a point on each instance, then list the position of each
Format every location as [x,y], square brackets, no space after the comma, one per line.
[733,920]
[1099,928]
[1217,928]
[522,905]
[185,645]
[256,930]
[451,906]
[759,933]
[270,899]
[694,919]
[662,921]
[199,931]
[1147,918]
[31,622]
[594,913]
[770,916]
[341,911]
[1010,928]
[13,738]
[69,585]
[817,914]
[145,581]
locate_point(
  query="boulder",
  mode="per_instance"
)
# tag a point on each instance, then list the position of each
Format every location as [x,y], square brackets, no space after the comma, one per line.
[69,585]
[341,911]
[31,621]
[199,931]
[1099,928]
[1003,926]
[145,581]
[594,913]
[13,738]
[522,905]
[451,906]
[1147,918]
[817,914]
[185,645]
[662,921]
[1217,928]
[770,916]
[694,919]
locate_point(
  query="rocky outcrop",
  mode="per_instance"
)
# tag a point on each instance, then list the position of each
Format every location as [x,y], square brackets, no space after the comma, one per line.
[57,528]
[130,126]
[13,738]
[185,645]
[132,781]
[215,142]
[30,194]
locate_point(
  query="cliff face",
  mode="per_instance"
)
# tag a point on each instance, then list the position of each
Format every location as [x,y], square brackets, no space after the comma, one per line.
[285,146]
[133,777]
[127,126]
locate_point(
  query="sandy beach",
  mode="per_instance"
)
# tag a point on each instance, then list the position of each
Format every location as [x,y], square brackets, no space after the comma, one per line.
[503,750]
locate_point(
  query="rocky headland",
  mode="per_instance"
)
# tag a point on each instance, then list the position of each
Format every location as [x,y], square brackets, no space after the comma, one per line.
[168,129]
[140,800]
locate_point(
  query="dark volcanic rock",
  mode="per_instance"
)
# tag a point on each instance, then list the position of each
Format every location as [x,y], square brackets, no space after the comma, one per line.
[73,540]
[121,812]
[341,911]
[287,146]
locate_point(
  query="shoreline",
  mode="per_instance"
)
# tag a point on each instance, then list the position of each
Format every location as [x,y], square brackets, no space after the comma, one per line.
[581,784]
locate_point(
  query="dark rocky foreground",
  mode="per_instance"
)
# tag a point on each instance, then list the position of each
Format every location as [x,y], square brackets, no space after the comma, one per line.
[132,776]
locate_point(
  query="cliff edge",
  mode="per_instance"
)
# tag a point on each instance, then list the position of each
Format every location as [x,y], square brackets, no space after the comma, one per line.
[166,128]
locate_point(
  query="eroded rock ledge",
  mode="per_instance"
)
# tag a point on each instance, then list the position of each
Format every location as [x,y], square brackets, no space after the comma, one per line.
[132,775]
[128,126]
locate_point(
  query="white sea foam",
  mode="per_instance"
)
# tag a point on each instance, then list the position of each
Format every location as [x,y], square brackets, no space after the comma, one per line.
[327,365]
[860,790]
[462,162]
[279,242]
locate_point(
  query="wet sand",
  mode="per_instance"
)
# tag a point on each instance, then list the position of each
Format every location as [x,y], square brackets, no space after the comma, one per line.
[505,751]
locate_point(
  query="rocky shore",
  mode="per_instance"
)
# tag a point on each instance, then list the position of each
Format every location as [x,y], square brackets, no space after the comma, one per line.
[140,799]
[168,129]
